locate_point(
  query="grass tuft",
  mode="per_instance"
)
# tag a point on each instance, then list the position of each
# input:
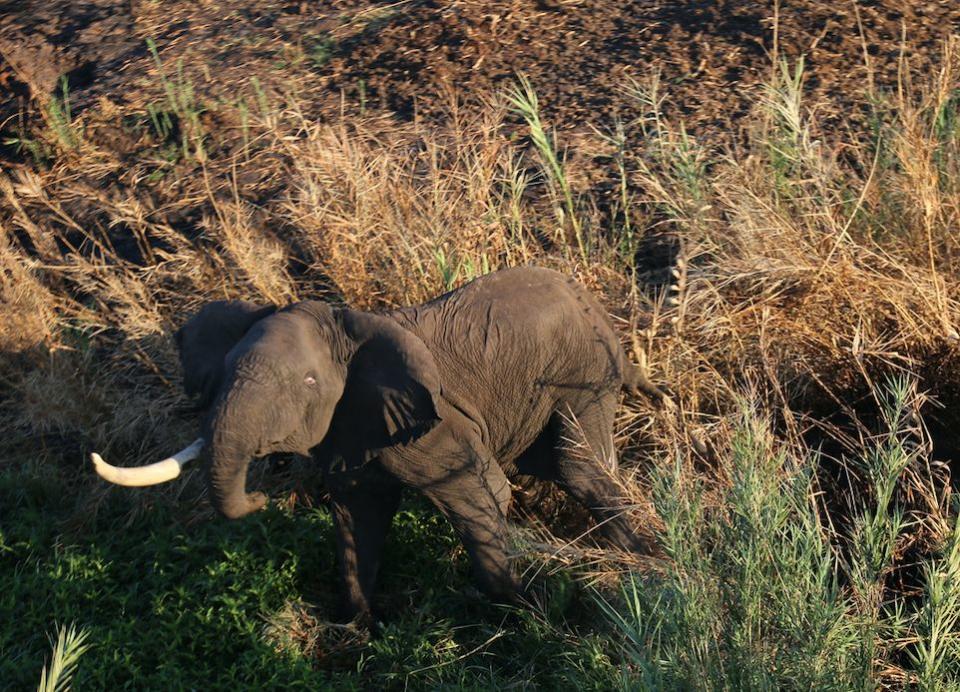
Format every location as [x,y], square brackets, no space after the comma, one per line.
[523,99]
[70,646]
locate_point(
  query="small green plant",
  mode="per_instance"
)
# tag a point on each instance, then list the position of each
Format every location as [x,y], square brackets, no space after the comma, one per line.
[36,149]
[674,166]
[626,237]
[794,155]
[162,122]
[71,644]
[181,101]
[512,188]
[689,167]
[473,269]
[60,118]
[320,49]
[452,268]
[268,114]
[879,522]
[946,134]
[524,101]
[244,112]
[936,654]
[879,525]
[946,123]
[448,272]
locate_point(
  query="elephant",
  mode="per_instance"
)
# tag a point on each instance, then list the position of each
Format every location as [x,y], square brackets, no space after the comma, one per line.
[517,372]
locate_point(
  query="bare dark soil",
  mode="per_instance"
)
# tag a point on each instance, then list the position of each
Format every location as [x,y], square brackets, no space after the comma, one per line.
[402,57]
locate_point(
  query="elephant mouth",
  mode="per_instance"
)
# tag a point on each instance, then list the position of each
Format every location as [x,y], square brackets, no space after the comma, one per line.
[294,443]
[151,474]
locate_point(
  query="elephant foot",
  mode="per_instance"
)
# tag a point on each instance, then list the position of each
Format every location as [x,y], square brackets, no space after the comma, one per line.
[364,622]
[358,615]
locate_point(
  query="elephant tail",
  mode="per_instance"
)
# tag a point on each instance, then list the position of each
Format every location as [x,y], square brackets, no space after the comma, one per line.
[636,382]
[636,378]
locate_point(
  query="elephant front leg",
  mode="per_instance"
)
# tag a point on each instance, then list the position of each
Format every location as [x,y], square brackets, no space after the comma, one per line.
[484,535]
[362,513]
[465,498]
[461,478]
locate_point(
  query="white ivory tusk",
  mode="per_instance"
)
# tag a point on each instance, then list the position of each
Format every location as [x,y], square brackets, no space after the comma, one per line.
[151,474]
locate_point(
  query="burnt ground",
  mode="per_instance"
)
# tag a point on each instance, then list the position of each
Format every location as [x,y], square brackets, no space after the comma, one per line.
[401,57]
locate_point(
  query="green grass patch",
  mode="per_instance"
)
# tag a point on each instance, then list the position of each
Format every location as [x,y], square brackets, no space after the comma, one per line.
[221,605]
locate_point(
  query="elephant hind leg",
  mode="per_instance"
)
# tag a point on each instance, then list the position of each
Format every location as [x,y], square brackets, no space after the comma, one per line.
[586,468]
[363,508]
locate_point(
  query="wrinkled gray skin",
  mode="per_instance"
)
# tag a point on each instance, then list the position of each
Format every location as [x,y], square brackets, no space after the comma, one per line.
[451,398]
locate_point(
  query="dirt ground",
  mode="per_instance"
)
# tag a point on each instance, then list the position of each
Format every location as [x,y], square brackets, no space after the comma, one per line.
[404,57]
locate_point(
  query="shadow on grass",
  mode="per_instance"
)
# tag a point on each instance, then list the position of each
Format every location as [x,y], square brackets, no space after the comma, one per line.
[170,606]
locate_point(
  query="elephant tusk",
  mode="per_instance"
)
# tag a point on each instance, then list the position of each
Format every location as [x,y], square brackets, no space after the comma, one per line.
[151,474]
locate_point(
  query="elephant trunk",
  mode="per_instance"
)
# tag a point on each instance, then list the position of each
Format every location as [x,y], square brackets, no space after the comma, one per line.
[228,486]
[230,454]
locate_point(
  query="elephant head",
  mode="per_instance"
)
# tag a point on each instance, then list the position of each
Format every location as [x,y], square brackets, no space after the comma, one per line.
[286,380]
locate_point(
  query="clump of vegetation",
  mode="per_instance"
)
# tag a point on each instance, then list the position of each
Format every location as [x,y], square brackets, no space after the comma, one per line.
[808,538]
[524,100]
[762,591]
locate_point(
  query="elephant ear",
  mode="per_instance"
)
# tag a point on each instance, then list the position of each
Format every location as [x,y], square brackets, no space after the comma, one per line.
[392,387]
[206,338]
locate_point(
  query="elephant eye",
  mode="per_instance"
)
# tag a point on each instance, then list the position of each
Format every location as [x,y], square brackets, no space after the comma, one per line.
[310,380]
